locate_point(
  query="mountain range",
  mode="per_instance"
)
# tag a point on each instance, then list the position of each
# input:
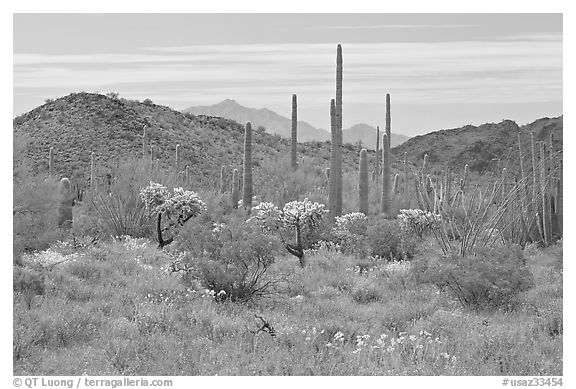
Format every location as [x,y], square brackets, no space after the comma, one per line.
[280,125]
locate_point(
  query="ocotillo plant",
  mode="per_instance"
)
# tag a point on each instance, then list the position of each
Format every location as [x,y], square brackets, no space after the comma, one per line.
[247,192]
[223,179]
[377,157]
[66,201]
[334,150]
[363,183]
[235,189]
[339,70]
[294,139]
[177,157]
[51,162]
[385,195]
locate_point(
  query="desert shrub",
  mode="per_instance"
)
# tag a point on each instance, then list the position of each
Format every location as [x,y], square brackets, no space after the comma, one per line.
[35,214]
[366,291]
[491,279]
[231,260]
[385,240]
[350,234]
[28,283]
[416,221]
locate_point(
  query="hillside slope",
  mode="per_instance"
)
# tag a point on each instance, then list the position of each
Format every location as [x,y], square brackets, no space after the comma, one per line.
[479,147]
[367,135]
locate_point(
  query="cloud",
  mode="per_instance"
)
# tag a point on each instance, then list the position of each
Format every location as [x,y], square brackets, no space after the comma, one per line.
[505,71]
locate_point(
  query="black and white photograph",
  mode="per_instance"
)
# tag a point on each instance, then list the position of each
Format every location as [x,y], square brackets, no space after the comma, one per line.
[287,194]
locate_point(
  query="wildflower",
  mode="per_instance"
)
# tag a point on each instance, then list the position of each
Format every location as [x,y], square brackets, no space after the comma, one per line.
[356,351]
[222,292]
[445,355]
[390,349]
[412,338]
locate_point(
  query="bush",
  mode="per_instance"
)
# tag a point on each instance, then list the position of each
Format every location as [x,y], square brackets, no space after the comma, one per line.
[350,234]
[491,279]
[230,259]
[35,215]
[385,240]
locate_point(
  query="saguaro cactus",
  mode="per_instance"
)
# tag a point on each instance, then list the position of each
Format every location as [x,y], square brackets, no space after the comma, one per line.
[177,157]
[363,186]
[377,162]
[405,186]
[223,179]
[395,184]
[51,162]
[327,172]
[92,174]
[385,196]
[388,126]
[559,202]
[144,147]
[293,154]
[247,185]
[235,189]
[65,203]
[425,165]
[339,70]
[545,203]
[334,150]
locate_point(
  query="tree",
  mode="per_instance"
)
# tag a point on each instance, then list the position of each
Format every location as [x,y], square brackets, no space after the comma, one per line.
[297,216]
[178,207]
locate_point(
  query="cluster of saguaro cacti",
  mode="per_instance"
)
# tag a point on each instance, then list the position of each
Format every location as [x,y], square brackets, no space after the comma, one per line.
[247,181]
[294,139]
[363,183]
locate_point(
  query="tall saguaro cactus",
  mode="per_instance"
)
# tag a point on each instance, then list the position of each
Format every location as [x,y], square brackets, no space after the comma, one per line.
[385,196]
[177,157]
[92,174]
[51,162]
[223,179]
[235,189]
[66,201]
[559,202]
[388,125]
[247,182]
[377,163]
[339,70]
[144,147]
[363,183]
[294,144]
[334,150]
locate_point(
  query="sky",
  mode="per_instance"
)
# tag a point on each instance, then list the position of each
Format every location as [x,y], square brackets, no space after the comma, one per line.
[441,70]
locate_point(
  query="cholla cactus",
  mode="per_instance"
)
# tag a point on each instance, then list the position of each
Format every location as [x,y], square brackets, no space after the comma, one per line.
[66,201]
[352,223]
[298,215]
[363,186]
[417,221]
[178,207]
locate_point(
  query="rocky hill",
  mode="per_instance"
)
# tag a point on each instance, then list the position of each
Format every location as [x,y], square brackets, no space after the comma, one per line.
[479,147]
[366,134]
[77,124]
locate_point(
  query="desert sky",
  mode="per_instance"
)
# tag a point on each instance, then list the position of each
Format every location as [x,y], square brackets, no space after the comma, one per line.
[442,70]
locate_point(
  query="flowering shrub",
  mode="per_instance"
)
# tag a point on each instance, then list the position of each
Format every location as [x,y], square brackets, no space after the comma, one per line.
[350,232]
[416,221]
[492,279]
[178,207]
[385,240]
[301,216]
